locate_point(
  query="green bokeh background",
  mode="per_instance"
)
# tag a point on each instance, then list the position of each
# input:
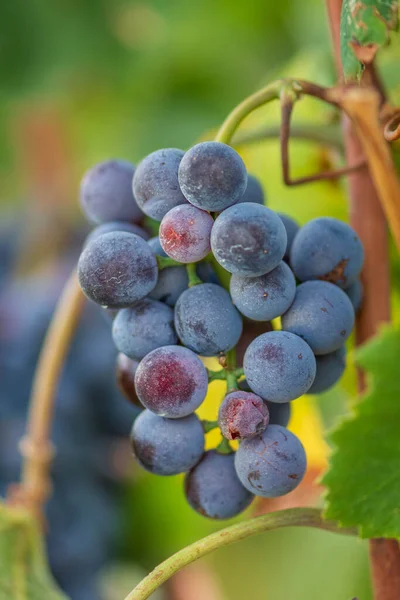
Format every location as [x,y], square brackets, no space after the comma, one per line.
[122,78]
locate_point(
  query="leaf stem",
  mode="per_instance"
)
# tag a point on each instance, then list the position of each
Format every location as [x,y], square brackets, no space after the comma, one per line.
[293,517]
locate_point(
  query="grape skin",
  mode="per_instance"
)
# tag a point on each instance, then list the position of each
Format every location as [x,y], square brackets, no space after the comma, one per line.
[212,176]
[206,320]
[155,183]
[279,366]
[167,446]
[265,297]
[330,368]
[172,281]
[185,233]
[106,193]
[156,247]
[117,269]
[116,226]
[213,489]
[146,326]
[355,293]
[125,375]
[171,381]
[291,230]
[327,249]
[321,314]
[254,191]
[279,413]
[248,239]
[242,415]
[272,464]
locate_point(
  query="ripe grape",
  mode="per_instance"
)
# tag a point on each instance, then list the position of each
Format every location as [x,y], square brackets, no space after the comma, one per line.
[171,283]
[265,297]
[355,293]
[206,320]
[327,249]
[212,176]
[213,489]
[167,446]
[254,191]
[291,230]
[279,413]
[117,269]
[271,464]
[248,239]
[155,183]
[125,373]
[156,247]
[106,193]
[279,366]
[116,226]
[242,415]
[321,314]
[330,368]
[146,326]
[185,233]
[171,381]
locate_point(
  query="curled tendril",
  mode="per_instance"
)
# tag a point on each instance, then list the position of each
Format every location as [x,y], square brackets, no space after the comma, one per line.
[391,130]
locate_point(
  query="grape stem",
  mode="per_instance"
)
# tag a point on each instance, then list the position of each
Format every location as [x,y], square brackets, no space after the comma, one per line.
[231,378]
[36,448]
[293,517]
[194,279]
[163,262]
[327,135]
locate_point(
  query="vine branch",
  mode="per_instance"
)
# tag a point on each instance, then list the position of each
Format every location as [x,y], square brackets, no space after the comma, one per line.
[293,517]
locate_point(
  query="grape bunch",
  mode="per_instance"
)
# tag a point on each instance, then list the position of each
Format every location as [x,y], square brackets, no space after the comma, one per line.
[170,308]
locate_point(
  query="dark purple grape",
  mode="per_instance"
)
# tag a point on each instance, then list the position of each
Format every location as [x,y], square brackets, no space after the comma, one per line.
[254,191]
[125,372]
[327,249]
[156,247]
[279,413]
[185,233]
[146,326]
[248,239]
[206,320]
[321,314]
[213,489]
[106,193]
[265,297]
[330,368]
[271,464]
[212,176]
[171,283]
[155,183]
[117,269]
[242,415]
[171,381]
[116,226]
[355,293]
[291,230]
[279,366]
[167,446]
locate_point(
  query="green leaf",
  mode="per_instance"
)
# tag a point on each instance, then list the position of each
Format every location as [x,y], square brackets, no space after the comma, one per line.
[365,27]
[363,481]
[24,574]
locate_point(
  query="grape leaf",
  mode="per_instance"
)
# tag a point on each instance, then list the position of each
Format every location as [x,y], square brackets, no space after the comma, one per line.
[365,27]
[24,574]
[363,481]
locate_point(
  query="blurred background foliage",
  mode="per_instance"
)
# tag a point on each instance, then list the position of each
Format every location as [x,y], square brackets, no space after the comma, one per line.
[82,81]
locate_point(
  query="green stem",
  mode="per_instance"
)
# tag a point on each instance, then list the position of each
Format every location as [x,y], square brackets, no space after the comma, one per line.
[328,135]
[292,517]
[224,447]
[164,262]
[216,375]
[209,425]
[194,279]
[231,380]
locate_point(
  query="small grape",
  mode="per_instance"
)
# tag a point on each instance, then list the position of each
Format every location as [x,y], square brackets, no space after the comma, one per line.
[125,371]
[146,326]
[117,269]
[242,415]
[330,368]
[116,226]
[279,413]
[327,249]
[271,464]
[355,293]
[155,183]
[171,283]
[212,176]
[106,193]
[213,489]
[254,191]
[185,233]
[321,314]
[156,247]
[171,381]
[265,297]
[248,239]
[291,230]
[279,366]
[206,320]
[167,446]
